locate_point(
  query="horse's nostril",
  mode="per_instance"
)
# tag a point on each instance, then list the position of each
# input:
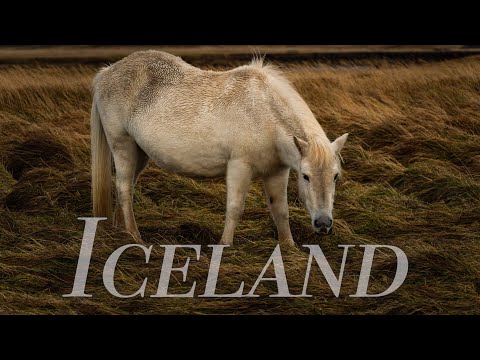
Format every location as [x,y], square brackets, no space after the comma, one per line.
[323,222]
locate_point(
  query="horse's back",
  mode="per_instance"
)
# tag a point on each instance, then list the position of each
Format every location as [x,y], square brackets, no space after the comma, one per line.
[134,81]
[158,64]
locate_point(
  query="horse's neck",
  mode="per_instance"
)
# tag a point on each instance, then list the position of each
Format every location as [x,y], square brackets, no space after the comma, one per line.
[289,155]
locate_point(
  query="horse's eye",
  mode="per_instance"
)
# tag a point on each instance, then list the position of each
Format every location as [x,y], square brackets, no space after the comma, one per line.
[306,177]
[335,178]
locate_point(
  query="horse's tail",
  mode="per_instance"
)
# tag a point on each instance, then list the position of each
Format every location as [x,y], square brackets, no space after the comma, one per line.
[101,167]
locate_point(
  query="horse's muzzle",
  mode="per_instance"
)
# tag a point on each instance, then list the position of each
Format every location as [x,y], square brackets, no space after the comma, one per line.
[324,230]
[323,225]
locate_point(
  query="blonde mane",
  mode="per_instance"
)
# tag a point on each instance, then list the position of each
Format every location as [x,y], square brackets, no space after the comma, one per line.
[319,152]
[258,62]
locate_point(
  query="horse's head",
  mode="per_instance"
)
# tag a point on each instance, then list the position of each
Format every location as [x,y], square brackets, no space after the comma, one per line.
[318,172]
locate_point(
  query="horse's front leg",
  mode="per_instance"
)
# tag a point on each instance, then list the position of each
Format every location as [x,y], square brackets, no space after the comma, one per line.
[275,187]
[239,176]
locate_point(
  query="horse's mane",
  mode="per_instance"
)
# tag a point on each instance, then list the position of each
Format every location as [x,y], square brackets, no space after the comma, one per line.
[319,150]
[258,62]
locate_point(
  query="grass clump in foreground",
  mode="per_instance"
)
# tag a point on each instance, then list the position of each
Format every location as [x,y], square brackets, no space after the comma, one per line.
[411,179]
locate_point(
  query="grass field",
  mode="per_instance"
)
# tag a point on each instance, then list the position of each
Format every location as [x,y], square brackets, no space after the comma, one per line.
[411,179]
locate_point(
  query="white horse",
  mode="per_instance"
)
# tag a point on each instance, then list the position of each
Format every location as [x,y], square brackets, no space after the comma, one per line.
[247,122]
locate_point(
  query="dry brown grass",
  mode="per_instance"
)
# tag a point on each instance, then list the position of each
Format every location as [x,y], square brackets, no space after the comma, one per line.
[412,179]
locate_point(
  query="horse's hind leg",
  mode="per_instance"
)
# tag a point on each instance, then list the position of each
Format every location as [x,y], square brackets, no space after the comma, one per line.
[126,156]
[142,161]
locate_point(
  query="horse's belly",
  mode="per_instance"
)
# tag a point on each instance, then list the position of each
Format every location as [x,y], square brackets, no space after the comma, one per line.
[201,146]
[203,167]
[188,159]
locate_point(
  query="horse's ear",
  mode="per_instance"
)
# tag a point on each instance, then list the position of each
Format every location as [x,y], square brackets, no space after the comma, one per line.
[301,145]
[339,143]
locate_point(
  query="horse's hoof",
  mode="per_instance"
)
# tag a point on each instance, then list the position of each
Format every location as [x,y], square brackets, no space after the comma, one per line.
[287,243]
[222,242]
[140,241]
[137,238]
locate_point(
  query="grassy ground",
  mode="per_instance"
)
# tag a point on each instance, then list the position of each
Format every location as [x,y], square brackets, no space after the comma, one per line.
[411,179]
